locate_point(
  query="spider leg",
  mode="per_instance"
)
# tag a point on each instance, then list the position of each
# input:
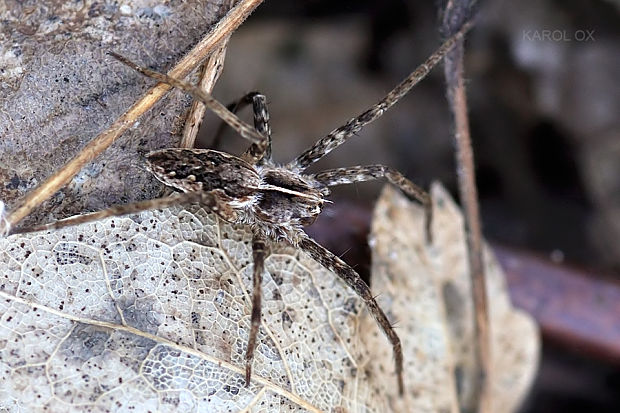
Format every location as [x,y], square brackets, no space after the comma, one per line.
[258,154]
[245,130]
[353,280]
[255,154]
[205,198]
[341,176]
[258,255]
[339,135]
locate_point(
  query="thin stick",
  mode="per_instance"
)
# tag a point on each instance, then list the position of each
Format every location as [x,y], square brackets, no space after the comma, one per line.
[221,31]
[469,198]
[457,11]
[210,72]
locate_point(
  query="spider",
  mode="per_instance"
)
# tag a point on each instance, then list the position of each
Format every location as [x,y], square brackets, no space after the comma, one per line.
[276,201]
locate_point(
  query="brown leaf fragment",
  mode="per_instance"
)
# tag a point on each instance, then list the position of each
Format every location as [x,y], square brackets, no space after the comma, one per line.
[426,290]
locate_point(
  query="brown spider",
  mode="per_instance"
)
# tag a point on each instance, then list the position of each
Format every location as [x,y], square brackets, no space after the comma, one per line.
[276,201]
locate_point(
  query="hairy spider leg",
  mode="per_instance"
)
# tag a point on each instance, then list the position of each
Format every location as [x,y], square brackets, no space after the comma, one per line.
[257,154]
[258,256]
[351,278]
[340,135]
[260,123]
[245,130]
[204,198]
[352,174]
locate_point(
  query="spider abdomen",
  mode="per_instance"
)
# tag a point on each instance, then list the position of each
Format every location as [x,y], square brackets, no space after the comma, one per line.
[204,170]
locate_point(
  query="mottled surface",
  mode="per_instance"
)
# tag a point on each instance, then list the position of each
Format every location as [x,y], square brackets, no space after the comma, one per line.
[58,90]
[427,291]
[153,312]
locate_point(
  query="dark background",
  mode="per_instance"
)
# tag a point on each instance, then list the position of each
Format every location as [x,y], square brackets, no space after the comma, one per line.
[544,96]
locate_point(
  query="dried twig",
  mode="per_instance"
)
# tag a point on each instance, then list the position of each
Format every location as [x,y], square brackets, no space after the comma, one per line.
[455,14]
[209,73]
[220,32]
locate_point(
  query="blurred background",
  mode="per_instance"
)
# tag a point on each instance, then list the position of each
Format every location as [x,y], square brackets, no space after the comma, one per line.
[543,84]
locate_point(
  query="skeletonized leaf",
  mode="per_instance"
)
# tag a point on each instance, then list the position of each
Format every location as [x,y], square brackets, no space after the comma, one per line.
[151,312]
[427,289]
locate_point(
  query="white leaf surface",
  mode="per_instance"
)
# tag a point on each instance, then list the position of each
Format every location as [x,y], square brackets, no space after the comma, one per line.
[151,313]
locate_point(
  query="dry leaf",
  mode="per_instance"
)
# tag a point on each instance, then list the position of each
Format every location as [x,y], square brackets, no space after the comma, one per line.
[148,312]
[427,290]
[58,90]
